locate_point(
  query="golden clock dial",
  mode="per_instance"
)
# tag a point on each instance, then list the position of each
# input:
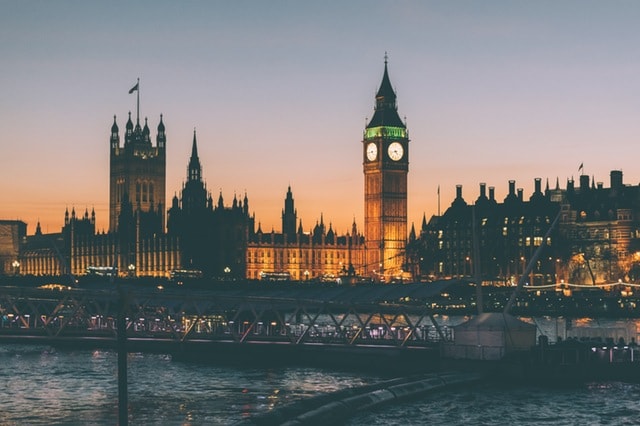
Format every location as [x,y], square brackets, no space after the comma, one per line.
[395,151]
[372,151]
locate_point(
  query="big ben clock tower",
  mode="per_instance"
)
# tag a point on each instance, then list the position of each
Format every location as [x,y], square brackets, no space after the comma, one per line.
[386,165]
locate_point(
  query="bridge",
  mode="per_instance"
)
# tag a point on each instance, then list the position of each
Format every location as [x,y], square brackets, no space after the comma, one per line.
[248,322]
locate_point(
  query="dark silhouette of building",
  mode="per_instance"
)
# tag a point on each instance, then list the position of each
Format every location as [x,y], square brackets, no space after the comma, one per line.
[12,236]
[212,237]
[597,239]
[137,176]
[136,243]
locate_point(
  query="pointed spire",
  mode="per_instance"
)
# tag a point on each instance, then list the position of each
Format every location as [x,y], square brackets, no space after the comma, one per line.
[194,171]
[386,113]
[386,90]
[161,137]
[194,146]
[161,125]
[129,122]
[412,234]
[220,200]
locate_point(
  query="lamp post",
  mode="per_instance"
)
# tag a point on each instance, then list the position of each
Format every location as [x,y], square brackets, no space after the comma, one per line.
[132,270]
[227,271]
[306,275]
[16,267]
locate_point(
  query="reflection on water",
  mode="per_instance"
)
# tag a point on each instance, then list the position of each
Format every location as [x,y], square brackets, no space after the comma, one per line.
[492,404]
[47,387]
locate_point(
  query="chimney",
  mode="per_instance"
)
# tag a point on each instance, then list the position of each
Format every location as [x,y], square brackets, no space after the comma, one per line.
[520,193]
[616,179]
[538,185]
[458,191]
[483,190]
[584,183]
[512,187]
[492,193]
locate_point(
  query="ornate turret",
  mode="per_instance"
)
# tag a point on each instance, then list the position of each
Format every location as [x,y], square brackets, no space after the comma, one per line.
[129,125]
[115,137]
[161,138]
[195,169]
[289,216]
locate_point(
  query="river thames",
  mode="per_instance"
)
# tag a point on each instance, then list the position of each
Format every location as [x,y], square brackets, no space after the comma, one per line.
[44,386]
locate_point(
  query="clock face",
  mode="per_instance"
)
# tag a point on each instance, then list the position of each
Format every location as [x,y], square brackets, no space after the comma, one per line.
[395,151]
[372,151]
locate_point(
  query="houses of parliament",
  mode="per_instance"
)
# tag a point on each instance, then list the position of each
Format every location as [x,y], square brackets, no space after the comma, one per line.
[591,233]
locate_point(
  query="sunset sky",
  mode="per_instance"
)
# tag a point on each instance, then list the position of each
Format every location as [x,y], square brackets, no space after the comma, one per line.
[279,92]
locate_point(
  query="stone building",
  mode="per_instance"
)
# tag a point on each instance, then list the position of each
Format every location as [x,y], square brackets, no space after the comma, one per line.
[596,239]
[317,254]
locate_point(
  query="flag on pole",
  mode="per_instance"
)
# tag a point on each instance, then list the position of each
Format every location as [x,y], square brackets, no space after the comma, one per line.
[579,168]
[134,88]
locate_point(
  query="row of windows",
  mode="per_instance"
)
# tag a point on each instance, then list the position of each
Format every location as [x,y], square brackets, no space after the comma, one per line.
[505,232]
[144,192]
[293,254]
[537,241]
[604,234]
[293,262]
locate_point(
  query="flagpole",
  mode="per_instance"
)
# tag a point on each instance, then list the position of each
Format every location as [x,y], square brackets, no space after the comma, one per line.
[138,103]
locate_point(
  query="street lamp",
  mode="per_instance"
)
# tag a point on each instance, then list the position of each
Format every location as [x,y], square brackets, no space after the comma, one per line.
[132,269]
[227,271]
[16,267]
[306,275]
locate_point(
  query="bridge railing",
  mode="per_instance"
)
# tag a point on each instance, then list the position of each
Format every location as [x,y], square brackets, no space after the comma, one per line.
[180,317]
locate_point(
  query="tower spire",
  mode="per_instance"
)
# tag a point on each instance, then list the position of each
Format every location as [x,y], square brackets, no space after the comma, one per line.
[195,168]
[386,112]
